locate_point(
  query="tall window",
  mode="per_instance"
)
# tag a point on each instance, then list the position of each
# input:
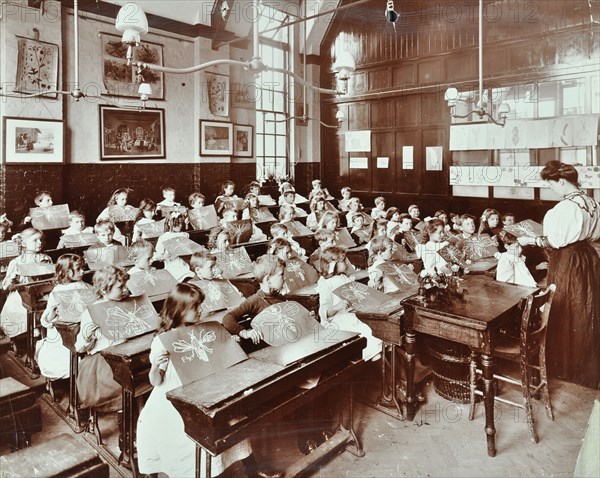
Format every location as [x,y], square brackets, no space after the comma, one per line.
[272,146]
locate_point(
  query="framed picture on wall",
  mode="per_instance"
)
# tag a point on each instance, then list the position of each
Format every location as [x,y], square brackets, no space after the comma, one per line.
[32,140]
[119,78]
[132,134]
[37,67]
[243,140]
[216,138]
[217,86]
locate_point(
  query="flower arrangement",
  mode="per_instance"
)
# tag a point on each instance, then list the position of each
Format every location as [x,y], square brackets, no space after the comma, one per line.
[441,278]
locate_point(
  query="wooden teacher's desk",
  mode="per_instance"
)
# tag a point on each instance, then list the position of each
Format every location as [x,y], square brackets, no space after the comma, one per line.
[473,316]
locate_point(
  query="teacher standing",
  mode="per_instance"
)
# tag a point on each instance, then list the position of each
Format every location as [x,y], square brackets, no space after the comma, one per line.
[573,342]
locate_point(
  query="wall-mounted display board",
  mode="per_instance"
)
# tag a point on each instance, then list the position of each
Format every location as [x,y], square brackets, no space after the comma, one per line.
[516,176]
[560,132]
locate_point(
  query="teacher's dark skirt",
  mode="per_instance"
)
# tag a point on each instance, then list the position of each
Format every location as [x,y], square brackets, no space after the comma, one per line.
[573,342]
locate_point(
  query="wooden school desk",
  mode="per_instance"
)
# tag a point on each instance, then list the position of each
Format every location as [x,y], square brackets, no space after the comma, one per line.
[224,408]
[473,316]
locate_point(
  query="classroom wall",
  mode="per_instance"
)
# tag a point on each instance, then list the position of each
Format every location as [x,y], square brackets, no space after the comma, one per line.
[86,182]
[397,91]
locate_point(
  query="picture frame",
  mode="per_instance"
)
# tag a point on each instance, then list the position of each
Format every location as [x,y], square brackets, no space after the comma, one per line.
[120,79]
[131,134]
[33,140]
[216,138]
[217,87]
[243,140]
[37,67]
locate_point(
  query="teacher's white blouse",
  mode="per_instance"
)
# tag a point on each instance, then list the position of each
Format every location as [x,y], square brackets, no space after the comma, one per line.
[575,218]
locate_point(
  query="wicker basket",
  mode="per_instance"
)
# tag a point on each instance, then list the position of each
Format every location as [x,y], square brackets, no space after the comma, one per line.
[450,364]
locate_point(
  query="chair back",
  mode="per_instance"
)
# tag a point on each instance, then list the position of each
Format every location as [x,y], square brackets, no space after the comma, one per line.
[534,319]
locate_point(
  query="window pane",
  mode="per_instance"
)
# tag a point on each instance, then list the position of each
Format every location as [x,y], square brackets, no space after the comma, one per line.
[470,191]
[513,193]
[547,104]
[595,94]
[573,155]
[259,146]
[281,128]
[278,102]
[281,145]
[270,145]
[573,97]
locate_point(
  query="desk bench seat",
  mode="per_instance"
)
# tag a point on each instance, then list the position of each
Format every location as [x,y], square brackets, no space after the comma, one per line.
[20,415]
[62,457]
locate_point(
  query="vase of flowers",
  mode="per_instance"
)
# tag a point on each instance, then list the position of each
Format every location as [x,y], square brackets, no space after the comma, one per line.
[440,279]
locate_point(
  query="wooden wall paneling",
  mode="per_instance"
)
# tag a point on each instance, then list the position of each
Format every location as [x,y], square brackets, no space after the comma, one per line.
[358,116]
[434,109]
[408,180]
[383,179]
[430,71]
[358,82]
[405,74]
[408,110]
[380,79]
[359,179]
[435,182]
[382,113]
[461,66]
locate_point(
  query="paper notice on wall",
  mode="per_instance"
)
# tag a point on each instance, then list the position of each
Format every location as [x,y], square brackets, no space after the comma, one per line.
[408,157]
[358,141]
[433,158]
[383,162]
[459,137]
[359,163]
[585,130]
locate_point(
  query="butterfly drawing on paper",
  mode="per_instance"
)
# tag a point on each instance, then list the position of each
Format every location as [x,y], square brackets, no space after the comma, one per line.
[122,213]
[355,292]
[215,291]
[401,274]
[295,267]
[452,254]
[238,230]
[77,301]
[281,318]
[47,214]
[480,247]
[127,323]
[197,346]
[233,261]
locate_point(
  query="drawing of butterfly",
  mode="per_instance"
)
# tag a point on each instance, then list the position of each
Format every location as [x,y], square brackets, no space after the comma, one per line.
[479,247]
[197,346]
[401,274]
[122,213]
[280,318]
[74,303]
[127,323]
[355,292]
[295,267]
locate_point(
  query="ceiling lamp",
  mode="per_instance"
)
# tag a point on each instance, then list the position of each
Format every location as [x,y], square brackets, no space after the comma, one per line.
[132,22]
[132,29]
[452,95]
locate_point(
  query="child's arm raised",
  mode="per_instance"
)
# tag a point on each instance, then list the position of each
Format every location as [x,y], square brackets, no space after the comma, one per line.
[157,371]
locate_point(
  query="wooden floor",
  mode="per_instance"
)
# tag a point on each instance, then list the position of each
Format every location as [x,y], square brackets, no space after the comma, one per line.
[441,441]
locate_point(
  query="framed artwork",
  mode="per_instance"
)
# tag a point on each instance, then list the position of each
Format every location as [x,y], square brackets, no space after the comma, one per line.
[37,67]
[119,78]
[243,137]
[130,134]
[217,87]
[216,138]
[32,140]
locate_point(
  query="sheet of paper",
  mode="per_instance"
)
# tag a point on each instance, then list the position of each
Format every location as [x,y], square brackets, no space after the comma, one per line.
[359,163]
[383,162]
[358,141]
[434,158]
[408,157]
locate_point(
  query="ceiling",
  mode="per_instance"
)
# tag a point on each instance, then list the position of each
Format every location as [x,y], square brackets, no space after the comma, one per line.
[198,12]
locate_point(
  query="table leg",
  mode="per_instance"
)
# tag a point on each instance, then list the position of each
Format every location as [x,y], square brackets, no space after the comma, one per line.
[488,398]
[411,401]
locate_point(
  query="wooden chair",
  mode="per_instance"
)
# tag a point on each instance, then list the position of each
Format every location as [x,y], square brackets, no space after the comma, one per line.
[529,351]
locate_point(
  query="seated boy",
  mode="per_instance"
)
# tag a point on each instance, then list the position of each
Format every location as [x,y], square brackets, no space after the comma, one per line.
[268,271]
[325,238]
[281,230]
[346,196]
